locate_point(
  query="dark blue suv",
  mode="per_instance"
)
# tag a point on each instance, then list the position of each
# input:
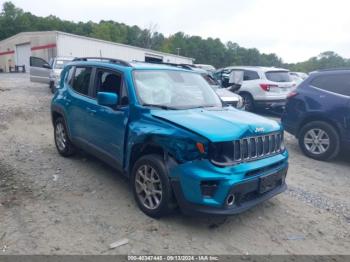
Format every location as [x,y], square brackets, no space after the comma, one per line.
[318,113]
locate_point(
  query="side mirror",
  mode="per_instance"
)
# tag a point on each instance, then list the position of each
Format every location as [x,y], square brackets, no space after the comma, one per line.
[46,66]
[107,99]
[236,78]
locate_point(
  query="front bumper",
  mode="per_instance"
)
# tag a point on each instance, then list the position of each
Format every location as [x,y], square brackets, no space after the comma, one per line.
[243,181]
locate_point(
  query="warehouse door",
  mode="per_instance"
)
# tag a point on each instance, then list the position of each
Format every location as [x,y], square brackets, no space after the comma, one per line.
[23,53]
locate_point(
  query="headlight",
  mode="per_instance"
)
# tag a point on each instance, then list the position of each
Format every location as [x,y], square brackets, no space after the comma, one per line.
[240,103]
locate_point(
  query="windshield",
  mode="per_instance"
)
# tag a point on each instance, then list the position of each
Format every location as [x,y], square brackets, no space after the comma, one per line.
[278,76]
[61,63]
[174,89]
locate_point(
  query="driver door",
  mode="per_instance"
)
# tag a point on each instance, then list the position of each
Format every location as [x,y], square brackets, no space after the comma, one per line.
[105,126]
[39,70]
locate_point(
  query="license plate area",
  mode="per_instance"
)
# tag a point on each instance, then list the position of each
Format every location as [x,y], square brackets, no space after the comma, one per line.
[269,182]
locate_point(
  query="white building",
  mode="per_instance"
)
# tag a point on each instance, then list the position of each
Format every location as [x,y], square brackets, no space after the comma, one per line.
[17,49]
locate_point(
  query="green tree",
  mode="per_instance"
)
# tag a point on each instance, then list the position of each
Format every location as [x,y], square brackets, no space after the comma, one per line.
[14,20]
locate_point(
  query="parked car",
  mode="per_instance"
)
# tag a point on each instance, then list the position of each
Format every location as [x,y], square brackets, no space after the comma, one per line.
[302,75]
[49,73]
[295,78]
[318,114]
[227,96]
[265,87]
[167,130]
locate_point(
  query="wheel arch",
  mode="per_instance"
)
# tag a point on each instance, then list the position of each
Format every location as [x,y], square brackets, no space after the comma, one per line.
[57,112]
[245,92]
[140,149]
[313,118]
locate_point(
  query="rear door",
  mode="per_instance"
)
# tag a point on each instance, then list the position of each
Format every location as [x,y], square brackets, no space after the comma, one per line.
[40,70]
[77,101]
[251,80]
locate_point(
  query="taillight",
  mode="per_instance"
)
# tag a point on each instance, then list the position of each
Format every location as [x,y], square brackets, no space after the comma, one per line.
[292,94]
[267,87]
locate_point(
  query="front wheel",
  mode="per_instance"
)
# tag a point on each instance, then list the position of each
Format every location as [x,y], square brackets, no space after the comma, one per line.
[151,186]
[319,140]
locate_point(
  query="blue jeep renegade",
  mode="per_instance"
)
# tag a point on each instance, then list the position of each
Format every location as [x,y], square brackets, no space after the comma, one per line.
[167,130]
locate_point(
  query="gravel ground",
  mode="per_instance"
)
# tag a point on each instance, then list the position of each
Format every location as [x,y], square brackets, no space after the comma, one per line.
[53,205]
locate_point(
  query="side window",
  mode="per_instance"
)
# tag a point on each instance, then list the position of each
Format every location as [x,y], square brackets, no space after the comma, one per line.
[112,82]
[81,80]
[337,83]
[250,75]
[38,62]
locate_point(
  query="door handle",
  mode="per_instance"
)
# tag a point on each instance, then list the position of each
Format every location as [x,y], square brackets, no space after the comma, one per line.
[91,111]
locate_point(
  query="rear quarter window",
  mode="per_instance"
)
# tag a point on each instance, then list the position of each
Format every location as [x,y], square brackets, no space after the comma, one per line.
[81,80]
[278,76]
[250,75]
[337,83]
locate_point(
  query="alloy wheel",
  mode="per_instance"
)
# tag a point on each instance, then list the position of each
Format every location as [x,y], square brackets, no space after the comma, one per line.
[61,138]
[316,141]
[148,187]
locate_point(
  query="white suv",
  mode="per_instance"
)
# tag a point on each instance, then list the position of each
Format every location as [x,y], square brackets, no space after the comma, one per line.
[265,87]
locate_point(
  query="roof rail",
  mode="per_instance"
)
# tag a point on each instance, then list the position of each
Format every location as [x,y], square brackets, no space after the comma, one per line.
[184,66]
[332,69]
[111,60]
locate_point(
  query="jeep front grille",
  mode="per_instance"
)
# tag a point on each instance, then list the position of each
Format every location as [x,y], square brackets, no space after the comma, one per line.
[245,149]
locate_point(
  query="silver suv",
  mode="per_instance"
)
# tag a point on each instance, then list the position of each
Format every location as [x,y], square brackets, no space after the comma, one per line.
[265,87]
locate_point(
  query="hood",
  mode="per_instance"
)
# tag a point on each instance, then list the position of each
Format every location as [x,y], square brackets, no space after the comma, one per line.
[224,124]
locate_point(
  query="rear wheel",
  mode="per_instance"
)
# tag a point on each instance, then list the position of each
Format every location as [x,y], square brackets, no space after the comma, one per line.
[151,186]
[63,144]
[319,140]
[248,102]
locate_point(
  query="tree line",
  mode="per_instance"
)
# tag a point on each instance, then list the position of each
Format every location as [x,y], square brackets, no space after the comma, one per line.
[212,51]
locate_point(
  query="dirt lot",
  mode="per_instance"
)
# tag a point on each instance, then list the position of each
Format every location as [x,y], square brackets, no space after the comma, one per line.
[52,205]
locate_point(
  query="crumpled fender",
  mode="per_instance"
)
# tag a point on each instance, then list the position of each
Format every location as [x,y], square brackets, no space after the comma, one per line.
[175,141]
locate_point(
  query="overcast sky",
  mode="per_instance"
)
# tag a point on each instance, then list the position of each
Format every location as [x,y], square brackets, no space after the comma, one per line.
[293,29]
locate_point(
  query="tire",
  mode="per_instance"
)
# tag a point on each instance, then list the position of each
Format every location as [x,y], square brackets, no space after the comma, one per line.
[141,189]
[248,102]
[63,144]
[313,139]
[52,87]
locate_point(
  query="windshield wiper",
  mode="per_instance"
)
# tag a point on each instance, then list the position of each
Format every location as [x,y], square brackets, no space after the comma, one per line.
[161,106]
[202,107]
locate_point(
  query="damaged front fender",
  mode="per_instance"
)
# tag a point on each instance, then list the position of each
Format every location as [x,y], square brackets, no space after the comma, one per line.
[174,141]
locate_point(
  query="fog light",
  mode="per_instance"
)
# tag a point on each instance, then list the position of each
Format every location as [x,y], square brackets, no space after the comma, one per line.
[230,200]
[209,188]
